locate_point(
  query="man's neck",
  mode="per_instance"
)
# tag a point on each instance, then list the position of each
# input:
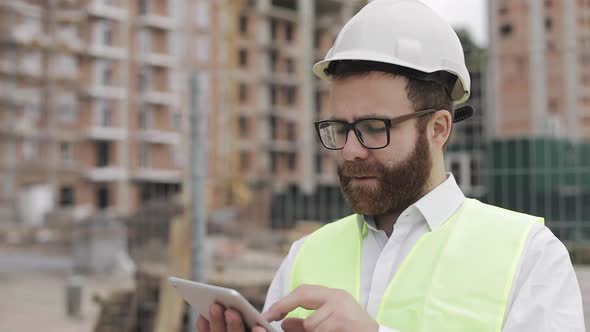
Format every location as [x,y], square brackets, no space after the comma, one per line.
[386,222]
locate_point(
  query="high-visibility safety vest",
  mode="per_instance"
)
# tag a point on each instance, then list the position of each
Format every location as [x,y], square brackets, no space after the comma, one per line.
[456,278]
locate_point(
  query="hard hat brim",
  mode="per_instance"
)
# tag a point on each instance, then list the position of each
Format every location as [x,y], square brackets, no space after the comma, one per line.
[458,94]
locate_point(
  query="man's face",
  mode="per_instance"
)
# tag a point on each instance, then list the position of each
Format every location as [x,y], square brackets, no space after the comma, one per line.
[388,180]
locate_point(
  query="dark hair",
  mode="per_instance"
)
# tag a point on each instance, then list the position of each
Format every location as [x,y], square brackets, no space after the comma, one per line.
[424,90]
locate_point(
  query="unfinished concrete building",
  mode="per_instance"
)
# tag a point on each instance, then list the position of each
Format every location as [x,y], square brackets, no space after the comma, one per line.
[96,101]
[90,115]
[539,111]
[39,106]
[263,99]
[540,68]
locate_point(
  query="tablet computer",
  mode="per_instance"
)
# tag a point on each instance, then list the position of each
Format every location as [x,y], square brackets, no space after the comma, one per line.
[201,296]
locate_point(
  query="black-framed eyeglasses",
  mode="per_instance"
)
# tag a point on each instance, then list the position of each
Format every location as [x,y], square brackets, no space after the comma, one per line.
[372,133]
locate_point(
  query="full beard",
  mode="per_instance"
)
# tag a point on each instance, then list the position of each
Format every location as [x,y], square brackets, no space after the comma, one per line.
[396,187]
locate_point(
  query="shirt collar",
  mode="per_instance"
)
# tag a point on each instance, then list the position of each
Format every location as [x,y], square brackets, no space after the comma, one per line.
[436,207]
[441,203]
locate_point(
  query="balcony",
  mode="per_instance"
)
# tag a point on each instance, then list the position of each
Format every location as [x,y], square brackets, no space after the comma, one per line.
[282,78]
[26,32]
[159,98]
[281,13]
[247,144]
[73,45]
[98,9]
[282,145]
[106,133]
[29,71]
[106,92]
[13,95]
[24,127]
[159,136]
[7,67]
[73,14]
[65,69]
[65,76]
[21,127]
[158,175]
[26,37]
[328,20]
[104,174]
[282,180]
[157,21]
[327,179]
[157,59]
[105,51]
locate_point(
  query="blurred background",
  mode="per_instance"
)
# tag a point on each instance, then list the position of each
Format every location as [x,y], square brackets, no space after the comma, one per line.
[124,122]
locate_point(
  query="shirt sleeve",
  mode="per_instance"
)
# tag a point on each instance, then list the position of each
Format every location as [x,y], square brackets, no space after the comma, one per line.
[280,285]
[546,295]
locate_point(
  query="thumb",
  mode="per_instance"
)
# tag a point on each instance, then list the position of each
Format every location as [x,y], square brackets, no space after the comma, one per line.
[292,325]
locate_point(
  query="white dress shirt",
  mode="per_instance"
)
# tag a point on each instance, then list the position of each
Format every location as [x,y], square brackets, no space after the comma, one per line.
[545,294]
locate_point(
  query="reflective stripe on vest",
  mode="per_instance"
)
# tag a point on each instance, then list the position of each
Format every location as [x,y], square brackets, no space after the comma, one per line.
[455,278]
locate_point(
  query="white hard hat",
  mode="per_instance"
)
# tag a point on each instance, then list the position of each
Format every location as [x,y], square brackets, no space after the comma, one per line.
[405,33]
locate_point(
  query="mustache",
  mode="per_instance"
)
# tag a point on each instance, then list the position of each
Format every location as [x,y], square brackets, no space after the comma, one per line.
[360,169]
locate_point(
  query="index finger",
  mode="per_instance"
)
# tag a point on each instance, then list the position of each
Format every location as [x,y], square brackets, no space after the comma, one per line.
[202,324]
[309,297]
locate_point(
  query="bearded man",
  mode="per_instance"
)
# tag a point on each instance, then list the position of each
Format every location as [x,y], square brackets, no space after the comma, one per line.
[417,255]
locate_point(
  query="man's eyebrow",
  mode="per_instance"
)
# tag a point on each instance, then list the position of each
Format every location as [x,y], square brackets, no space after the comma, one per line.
[372,115]
[365,116]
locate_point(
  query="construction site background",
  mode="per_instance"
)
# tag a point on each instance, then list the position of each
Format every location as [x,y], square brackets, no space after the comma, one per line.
[95,145]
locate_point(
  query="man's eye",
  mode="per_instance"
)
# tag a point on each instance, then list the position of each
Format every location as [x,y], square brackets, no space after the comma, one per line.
[340,130]
[374,129]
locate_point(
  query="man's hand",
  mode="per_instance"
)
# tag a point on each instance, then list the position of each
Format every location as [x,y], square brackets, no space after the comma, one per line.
[223,320]
[335,310]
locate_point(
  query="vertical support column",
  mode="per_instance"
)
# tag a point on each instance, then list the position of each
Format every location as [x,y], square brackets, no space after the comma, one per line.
[492,94]
[8,208]
[538,75]
[226,104]
[198,153]
[307,148]
[124,108]
[263,37]
[570,14]
[571,66]
[51,105]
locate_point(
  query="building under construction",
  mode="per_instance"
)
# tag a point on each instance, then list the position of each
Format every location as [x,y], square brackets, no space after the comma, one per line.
[538,155]
[264,100]
[95,100]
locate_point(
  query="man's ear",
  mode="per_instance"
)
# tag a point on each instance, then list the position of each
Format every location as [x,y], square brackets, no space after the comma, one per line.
[439,128]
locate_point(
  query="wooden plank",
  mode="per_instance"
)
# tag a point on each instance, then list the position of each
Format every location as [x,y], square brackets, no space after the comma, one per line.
[171,305]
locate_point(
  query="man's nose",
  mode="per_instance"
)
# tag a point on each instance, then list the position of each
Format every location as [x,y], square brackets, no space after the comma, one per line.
[353,149]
